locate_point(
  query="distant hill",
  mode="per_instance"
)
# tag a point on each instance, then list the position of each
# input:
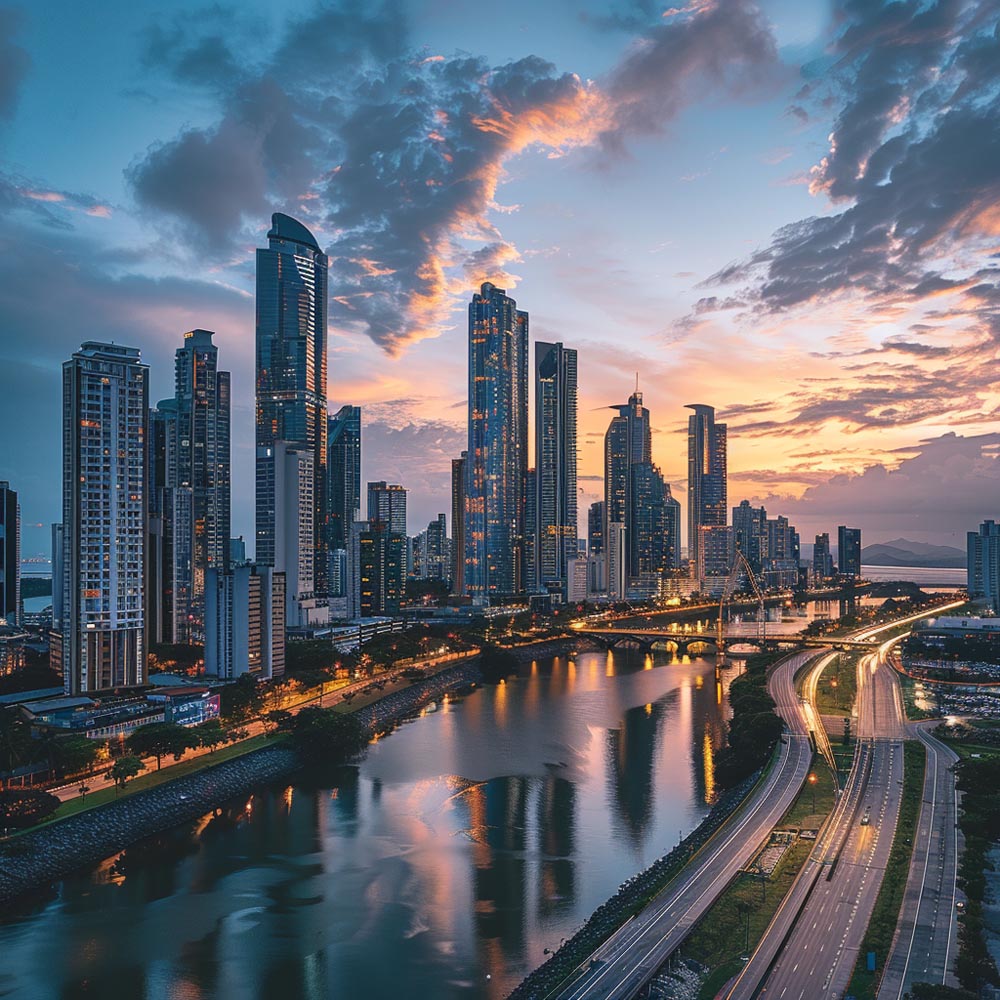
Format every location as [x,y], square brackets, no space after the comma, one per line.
[903,552]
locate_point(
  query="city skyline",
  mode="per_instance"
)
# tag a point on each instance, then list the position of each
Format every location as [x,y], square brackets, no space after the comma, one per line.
[603,273]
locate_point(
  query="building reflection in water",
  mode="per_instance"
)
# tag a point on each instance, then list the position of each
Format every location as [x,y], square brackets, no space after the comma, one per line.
[556,822]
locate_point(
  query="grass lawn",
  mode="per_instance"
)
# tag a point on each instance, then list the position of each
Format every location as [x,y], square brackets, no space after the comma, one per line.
[908,687]
[885,916]
[104,791]
[721,937]
[837,687]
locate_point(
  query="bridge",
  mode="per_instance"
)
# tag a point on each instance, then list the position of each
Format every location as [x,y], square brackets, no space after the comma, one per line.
[679,641]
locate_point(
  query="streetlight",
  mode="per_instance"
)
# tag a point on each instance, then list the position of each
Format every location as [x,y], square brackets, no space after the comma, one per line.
[812,781]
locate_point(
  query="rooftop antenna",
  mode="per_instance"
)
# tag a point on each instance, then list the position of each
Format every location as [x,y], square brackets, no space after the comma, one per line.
[636,381]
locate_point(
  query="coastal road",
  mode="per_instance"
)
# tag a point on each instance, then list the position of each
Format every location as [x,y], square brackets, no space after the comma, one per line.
[632,956]
[927,934]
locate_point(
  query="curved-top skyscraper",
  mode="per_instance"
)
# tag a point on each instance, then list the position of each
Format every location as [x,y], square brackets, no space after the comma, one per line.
[291,374]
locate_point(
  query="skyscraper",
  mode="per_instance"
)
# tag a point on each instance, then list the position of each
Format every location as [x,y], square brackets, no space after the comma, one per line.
[343,448]
[983,565]
[555,462]
[378,567]
[849,551]
[654,524]
[458,524]
[750,534]
[10,555]
[105,413]
[291,373]
[822,558]
[595,528]
[387,503]
[189,491]
[706,476]
[497,464]
[628,441]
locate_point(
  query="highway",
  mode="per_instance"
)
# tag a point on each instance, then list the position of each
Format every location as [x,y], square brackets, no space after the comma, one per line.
[631,956]
[927,933]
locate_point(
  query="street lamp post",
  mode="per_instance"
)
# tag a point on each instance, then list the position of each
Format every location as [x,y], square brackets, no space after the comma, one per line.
[812,783]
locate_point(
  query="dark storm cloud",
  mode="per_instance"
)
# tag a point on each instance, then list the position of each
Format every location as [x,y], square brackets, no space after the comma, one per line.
[394,156]
[14,61]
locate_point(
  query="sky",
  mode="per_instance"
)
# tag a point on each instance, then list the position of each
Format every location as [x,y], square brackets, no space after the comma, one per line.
[787,209]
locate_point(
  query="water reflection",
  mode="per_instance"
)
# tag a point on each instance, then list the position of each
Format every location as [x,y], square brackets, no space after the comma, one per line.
[463,845]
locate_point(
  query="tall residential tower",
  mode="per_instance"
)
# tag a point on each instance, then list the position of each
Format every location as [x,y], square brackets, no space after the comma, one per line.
[706,476]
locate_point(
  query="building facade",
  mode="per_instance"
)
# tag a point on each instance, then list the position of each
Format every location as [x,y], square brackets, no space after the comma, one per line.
[10,555]
[291,374]
[458,518]
[343,449]
[497,462]
[983,565]
[387,503]
[707,477]
[378,566]
[555,463]
[849,552]
[822,565]
[595,528]
[105,416]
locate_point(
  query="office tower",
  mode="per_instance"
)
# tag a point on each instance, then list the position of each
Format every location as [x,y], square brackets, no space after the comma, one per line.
[378,564]
[343,450]
[627,442]
[289,475]
[595,528]
[706,476]
[983,565]
[387,503]
[530,557]
[244,622]
[291,373]
[10,555]
[555,463]
[715,550]
[436,564]
[497,463]
[58,543]
[651,540]
[750,534]
[458,524]
[672,529]
[616,561]
[849,551]
[822,558]
[781,565]
[166,503]
[237,551]
[105,414]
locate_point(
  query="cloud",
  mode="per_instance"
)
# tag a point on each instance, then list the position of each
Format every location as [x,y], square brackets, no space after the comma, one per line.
[395,158]
[14,62]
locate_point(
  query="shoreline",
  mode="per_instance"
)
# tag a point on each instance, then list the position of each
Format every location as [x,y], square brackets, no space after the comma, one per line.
[56,850]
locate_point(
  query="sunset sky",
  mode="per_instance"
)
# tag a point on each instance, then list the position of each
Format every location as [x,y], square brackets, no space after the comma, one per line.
[787,209]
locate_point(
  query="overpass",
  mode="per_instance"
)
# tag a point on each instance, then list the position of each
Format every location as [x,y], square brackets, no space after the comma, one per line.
[680,641]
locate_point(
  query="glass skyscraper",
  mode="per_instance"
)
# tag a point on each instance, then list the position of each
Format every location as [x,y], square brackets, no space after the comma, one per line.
[497,465]
[343,449]
[10,555]
[291,374]
[555,463]
[105,412]
[706,477]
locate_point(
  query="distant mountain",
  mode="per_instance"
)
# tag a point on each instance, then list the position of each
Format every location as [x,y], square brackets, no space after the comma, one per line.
[903,552]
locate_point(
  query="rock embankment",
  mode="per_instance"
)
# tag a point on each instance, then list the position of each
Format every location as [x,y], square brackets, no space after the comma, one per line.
[55,850]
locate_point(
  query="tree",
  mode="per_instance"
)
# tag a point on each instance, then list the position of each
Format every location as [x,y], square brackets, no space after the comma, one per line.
[72,754]
[123,770]
[277,719]
[24,807]
[159,739]
[243,699]
[322,736]
[15,740]
[211,734]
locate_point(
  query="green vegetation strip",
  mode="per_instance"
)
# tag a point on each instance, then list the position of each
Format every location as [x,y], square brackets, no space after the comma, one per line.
[978,780]
[885,916]
[909,690]
[738,919]
[838,686]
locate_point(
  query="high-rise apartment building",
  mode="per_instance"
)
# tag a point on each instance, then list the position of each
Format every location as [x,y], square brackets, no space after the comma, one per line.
[387,503]
[716,550]
[750,534]
[291,374]
[555,463]
[10,555]
[458,516]
[849,551]
[343,449]
[983,565]
[378,566]
[245,622]
[706,476]
[105,415]
[627,442]
[616,561]
[437,552]
[497,463]
[653,541]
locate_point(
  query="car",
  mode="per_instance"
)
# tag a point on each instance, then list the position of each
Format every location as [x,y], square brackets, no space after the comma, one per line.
[867,817]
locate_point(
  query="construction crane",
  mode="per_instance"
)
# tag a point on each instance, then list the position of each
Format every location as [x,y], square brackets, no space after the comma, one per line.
[740,564]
